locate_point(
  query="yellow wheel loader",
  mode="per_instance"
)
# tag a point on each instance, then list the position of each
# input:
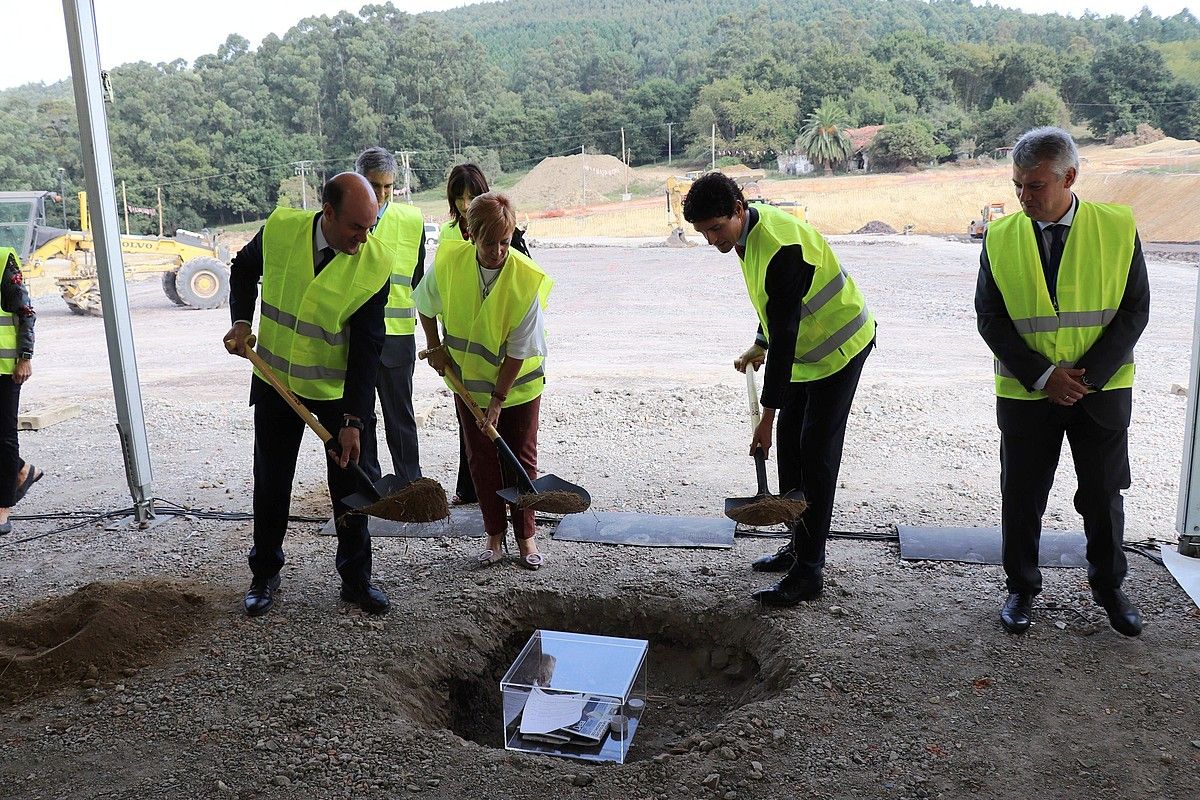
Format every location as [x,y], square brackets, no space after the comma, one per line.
[194,269]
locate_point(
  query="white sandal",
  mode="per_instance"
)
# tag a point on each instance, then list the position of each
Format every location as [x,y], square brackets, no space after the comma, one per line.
[531,561]
[489,557]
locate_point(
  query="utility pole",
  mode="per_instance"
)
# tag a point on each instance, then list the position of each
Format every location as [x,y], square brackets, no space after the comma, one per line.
[583,175]
[714,147]
[404,163]
[62,193]
[669,124]
[625,158]
[160,225]
[302,168]
[125,203]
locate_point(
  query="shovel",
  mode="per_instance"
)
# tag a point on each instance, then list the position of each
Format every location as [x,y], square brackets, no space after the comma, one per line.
[548,493]
[764,508]
[389,497]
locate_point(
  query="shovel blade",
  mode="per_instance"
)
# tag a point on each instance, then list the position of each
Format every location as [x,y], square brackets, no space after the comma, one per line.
[548,483]
[387,485]
[734,503]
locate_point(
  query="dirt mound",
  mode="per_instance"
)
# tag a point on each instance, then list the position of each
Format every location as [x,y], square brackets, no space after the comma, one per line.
[875,226]
[98,631]
[570,181]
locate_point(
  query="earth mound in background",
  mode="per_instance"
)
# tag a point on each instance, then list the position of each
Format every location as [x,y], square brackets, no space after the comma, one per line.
[875,226]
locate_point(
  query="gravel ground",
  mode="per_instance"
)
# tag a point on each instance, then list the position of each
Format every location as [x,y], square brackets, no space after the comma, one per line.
[899,683]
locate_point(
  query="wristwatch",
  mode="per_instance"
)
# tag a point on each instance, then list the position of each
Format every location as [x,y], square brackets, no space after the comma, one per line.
[352,422]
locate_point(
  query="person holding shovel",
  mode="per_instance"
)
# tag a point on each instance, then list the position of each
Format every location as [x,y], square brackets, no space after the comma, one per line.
[325,283]
[464,184]
[490,299]
[819,332]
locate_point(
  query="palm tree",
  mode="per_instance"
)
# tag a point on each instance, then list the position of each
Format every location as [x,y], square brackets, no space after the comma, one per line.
[824,138]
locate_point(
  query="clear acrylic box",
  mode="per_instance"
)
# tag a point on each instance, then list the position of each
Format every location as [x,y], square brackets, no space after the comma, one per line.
[604,674]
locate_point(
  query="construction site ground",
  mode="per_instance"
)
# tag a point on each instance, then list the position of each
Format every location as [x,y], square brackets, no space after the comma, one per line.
[128,669]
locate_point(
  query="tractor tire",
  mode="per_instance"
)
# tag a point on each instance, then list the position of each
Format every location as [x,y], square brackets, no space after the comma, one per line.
[203,283]
[168,284]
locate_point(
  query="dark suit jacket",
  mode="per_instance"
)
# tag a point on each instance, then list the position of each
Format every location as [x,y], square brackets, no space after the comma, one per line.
[1110,409]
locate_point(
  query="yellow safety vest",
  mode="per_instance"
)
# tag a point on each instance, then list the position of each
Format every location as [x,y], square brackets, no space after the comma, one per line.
[1091,283]
[450,233]
[476,329]
[401,227]
[302,319]
[8,323]
[835,323]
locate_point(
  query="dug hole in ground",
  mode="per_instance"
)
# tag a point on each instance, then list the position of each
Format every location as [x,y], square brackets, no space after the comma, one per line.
[898,683]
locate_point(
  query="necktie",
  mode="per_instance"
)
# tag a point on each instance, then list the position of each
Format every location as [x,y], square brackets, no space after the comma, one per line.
[1058,240]
[324,256]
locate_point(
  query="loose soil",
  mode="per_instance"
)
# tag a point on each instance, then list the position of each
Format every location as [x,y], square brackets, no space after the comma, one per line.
[897,683]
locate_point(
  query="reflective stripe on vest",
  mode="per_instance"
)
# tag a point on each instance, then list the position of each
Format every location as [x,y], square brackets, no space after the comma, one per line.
[1091,282]
[302,318]
[8,323]
[835,324]
[476,330]
[401,228]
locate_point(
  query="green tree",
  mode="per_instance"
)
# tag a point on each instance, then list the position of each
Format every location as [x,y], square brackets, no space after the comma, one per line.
[906,144]
[823,137]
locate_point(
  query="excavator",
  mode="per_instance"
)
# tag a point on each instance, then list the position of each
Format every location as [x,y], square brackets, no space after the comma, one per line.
[747,181]
[193,267]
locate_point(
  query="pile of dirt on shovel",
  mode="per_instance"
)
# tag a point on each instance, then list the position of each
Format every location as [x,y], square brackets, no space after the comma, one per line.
[100,631]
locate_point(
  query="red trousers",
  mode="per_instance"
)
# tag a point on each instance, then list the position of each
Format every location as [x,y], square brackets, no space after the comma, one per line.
[518,427]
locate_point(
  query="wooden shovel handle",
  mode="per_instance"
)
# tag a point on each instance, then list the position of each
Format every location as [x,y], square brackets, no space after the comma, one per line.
[457,384]
[284,392]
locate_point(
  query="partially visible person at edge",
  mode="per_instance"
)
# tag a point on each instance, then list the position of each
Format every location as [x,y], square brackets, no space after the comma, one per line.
[498,347]
[16,367]
[402,227]
[814,333]
[325,284]
[464,184]
[1062,299]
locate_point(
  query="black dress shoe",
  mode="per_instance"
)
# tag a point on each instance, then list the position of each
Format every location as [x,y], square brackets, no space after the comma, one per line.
[370,599]
[792,590]
[1122,614]
[779,561]
[1017,614]
[261,596]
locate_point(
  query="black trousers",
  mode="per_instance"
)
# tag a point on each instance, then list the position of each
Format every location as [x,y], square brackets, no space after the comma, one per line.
[395,397]
[278,432]
[1027,463]
[810,430]
[10,448]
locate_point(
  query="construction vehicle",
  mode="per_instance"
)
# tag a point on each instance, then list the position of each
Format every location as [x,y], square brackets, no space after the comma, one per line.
[989,213]
[747,181]
[194,269]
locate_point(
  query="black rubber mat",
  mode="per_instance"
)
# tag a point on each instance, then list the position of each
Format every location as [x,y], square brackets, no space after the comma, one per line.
[464,522]
[982,546]
[646,530]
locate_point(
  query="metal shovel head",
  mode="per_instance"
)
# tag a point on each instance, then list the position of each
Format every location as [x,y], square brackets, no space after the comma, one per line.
[387,485]
[769,514]
[546,485]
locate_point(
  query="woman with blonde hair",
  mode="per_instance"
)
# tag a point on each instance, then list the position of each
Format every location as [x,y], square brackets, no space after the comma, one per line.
[490,299]
[464,183]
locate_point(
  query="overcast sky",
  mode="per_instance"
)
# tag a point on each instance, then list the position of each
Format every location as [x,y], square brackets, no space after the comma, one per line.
[35,47]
